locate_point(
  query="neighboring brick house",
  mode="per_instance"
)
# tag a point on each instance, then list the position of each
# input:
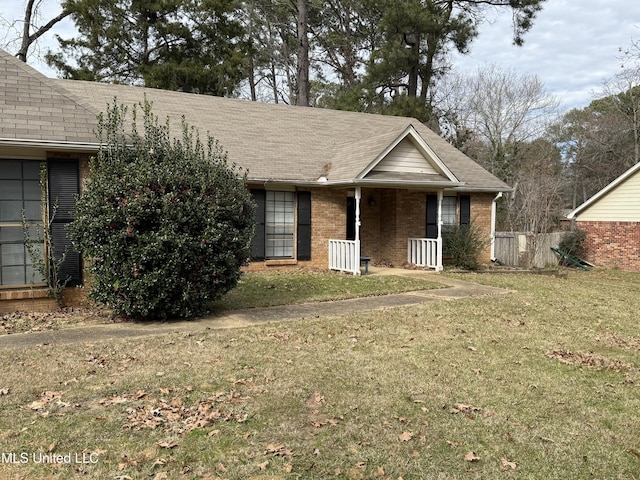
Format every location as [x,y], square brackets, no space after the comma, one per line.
[331,186]
[611,219]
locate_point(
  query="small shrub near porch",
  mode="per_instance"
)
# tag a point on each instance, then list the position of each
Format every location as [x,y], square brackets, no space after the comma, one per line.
[465,245]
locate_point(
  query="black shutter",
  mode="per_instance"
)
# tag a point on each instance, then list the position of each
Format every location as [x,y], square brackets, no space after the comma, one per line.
[351,218]
[258,242]
[64,185]
[432,216]
[304,226]
[465,210]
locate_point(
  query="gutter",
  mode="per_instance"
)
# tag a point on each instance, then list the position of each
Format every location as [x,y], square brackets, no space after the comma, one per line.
[323,182]
[49,144]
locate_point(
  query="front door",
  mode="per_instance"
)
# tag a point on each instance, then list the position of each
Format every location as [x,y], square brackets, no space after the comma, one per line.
[351,218]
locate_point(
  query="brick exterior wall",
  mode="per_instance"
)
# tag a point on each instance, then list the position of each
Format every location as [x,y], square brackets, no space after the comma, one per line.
[396,216]
[481,217]
[613,244]
[388,218]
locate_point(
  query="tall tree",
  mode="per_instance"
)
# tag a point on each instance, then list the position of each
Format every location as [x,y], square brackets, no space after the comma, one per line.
[194,46]
[32,28]
[599,142]
[417,36]
[302,72]
[271,34]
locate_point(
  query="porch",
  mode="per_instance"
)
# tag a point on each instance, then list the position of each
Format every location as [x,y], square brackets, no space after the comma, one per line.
[388,225]
[344,255]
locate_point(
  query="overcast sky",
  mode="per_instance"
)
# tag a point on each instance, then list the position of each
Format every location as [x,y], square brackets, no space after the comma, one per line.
[572,47]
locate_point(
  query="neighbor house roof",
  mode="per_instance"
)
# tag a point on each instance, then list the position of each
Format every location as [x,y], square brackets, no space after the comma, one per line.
[605,191]
[276,143]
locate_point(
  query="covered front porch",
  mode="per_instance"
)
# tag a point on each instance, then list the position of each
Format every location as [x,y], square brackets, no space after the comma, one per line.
[389,226]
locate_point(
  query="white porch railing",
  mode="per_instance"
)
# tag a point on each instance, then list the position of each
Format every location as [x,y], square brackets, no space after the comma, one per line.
[425,252]
[344,255]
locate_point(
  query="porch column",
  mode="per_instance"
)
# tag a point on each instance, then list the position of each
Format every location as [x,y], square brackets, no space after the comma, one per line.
[358,196]
[493,226]
[439,267]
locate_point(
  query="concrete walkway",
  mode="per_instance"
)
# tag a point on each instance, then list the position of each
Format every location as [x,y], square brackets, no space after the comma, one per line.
[243,318]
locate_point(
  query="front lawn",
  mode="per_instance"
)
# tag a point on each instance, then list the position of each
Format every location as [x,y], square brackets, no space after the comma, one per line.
[540,383]
[264,289]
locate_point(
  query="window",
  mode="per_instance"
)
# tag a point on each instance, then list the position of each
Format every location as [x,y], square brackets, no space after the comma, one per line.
[449,205]
[282,218]
[19,192]
[455,211]
[279,224]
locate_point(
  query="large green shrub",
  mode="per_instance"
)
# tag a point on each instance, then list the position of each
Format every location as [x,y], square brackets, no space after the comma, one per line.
[465,245]
[164,223]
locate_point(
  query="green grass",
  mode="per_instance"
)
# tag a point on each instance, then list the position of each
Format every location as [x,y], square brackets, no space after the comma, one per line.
[407,392]
[265,289]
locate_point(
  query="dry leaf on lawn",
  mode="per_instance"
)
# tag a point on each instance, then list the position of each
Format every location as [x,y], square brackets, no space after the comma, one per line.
[507,465]
[167,444]
[471,457]
[405,436]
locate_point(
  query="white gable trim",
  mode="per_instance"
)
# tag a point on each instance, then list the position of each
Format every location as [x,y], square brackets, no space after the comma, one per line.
[422,146]
[602,193]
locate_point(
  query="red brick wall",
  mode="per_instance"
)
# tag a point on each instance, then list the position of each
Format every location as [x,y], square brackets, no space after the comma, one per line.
[613,244]
[328,220]
[481,217]
[401,214]
[388,218]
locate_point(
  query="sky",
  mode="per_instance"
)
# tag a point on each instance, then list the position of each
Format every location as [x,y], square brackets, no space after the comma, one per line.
[572,48]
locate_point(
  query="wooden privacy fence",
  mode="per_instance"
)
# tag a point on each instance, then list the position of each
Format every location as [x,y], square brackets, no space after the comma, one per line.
[522,249]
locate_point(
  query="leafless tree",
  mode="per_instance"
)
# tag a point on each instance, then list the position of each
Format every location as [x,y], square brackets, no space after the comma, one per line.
[622,94]
[30,28]
[505,109]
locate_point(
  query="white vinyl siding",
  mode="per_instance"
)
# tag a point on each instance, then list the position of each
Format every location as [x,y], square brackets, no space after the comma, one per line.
[621,204]
[405,158]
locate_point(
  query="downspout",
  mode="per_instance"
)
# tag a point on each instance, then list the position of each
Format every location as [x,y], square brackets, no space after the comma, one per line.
[439,266]
[357,236]
[493,226]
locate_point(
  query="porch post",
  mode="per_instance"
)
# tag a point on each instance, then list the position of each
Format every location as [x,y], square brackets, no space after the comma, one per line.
[439,254]
[493,227]
[357,236]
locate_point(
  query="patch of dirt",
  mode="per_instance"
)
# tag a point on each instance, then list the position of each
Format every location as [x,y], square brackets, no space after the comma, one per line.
[21,322]
[591,360]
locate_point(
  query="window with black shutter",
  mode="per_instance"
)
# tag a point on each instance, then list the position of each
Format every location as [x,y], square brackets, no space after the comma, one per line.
[64,186]
[278,229]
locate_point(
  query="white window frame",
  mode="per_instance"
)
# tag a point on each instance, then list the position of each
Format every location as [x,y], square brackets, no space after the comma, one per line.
[280,224]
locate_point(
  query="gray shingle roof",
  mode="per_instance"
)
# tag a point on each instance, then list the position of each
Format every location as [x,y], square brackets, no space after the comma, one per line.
[34,108]
[274,142]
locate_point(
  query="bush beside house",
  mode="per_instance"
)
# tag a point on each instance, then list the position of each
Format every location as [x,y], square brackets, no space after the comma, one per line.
[166,223]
